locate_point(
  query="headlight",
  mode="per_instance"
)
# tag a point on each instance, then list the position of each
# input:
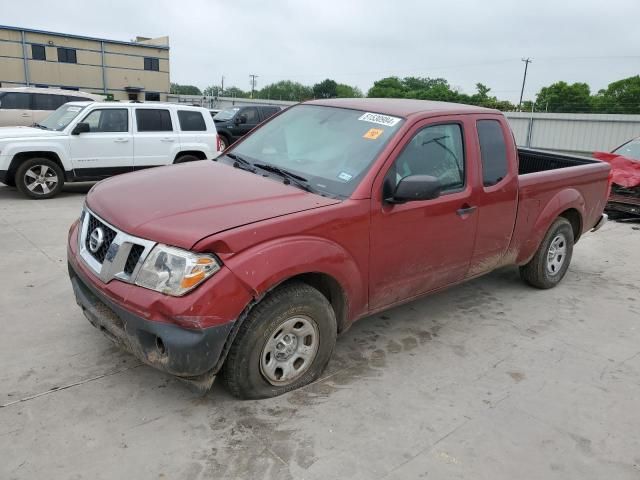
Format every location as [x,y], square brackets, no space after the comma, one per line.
[174,271]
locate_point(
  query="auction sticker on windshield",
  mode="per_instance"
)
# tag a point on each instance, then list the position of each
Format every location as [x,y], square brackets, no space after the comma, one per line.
[387,120]
[373,133]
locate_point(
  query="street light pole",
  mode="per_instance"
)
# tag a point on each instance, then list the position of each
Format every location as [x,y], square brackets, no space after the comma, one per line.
[526,61]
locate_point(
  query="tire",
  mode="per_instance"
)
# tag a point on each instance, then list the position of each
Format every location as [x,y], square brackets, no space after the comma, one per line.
[39,178]
[224,142]
[292,310]
[186,158]
[550,263]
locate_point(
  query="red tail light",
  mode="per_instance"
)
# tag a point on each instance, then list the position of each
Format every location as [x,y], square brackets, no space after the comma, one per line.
[218,143]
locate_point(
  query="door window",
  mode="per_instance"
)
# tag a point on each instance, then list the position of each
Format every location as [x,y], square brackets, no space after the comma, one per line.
[493,151]
[437,151]
[14,101]
[152,120]
[191,121]
[108,120]
[251,114]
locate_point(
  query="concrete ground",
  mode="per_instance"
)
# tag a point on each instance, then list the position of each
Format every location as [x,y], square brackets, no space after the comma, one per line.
[490,380]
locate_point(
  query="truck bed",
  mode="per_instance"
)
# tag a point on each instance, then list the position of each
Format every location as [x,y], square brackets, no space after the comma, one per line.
[532,161]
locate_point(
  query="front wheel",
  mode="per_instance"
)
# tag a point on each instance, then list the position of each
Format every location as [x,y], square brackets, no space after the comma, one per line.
[39,178]
[284,343]
[550,263]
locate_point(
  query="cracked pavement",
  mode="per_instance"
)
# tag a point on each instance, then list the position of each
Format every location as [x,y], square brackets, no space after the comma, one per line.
[489,380]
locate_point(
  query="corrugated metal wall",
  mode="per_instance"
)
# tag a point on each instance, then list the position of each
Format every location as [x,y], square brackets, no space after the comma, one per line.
[573,132]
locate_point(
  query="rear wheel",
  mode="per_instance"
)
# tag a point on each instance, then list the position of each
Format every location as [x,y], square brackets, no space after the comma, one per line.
[39,178]
[224,142]
[186,158]
[284,343]
[550,263]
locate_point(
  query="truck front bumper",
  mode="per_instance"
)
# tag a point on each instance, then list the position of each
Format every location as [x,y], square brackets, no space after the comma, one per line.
[171,348]
[603,219]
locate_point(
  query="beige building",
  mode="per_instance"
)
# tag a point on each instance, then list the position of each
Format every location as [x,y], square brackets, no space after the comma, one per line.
[137,70]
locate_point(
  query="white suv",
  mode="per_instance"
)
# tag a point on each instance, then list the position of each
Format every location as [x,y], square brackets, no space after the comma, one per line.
[83,141]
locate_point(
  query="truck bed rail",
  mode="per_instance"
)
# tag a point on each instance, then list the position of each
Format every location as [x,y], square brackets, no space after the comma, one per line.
[531,161]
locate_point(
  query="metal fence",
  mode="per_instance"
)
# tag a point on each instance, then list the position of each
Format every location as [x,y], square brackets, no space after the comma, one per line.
[573,132]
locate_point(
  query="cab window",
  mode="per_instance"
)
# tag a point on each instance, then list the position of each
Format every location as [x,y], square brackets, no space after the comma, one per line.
[251,115]
[436,151]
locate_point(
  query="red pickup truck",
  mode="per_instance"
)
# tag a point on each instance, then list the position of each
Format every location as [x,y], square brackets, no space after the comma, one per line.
[330,211]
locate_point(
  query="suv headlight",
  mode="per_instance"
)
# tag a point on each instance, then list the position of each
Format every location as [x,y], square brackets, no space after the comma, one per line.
[174,271]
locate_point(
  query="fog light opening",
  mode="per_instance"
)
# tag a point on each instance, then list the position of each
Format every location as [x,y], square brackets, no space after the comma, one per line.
[160,346]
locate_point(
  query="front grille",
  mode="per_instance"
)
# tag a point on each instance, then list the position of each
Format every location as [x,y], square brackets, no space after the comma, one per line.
[109,235]
[133,258]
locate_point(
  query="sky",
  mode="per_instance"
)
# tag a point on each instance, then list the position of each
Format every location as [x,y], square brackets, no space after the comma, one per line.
[360,41]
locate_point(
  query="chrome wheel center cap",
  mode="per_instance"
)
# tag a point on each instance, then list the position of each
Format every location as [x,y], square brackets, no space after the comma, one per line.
[286,347]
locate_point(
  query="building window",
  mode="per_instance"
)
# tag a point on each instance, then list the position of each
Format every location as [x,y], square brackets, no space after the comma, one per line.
[152,64]
[152,96]
[67,55]
[38,52]
[70,88]
[149,120]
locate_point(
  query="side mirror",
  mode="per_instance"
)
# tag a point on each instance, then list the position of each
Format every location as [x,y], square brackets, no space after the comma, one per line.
[81,128]
[416,187]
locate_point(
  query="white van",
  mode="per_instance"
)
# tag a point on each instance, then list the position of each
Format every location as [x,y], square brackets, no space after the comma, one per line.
[26,105]
[83,141]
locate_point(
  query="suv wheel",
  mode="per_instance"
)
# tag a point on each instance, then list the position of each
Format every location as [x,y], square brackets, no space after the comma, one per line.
[224,142]
[284,343]
[39,178]
[186,158]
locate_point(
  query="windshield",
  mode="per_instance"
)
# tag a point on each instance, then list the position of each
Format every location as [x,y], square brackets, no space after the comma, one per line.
[62,117]
[630,150]
[226,114]
[330,147]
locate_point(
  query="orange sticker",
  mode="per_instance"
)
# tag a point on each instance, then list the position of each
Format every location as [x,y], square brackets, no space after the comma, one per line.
[373,133]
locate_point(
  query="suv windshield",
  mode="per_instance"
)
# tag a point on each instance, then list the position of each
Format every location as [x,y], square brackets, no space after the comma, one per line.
[227,114]
[330,147]
[630,150]
[62,117]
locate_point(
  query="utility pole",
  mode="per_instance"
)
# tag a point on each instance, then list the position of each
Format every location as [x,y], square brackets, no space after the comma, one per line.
[526,61]
[221,86]
[253,83]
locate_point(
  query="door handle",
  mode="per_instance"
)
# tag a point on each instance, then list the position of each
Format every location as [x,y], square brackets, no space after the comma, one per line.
[466,210]
[121,140]
[168,139]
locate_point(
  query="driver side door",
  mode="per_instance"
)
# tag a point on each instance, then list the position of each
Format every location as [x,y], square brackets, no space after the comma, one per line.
[423,245]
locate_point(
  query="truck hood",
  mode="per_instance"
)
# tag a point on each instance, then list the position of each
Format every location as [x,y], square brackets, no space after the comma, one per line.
[26,132]
[181,204]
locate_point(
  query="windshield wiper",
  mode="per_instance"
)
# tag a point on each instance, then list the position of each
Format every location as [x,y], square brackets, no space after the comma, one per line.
[37,125]
[289,177]
[240,162]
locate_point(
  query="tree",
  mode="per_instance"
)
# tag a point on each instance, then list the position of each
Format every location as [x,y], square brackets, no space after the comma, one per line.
[347,91]
[622,96]
[184,89]
[562,97]
[235,92]
[211,91]
[286,90]
[325,89]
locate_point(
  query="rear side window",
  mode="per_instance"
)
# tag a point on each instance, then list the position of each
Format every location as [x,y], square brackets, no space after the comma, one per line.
[269,111]
[152,120]
[191,121]
[493,151]
[44,101]
[14,101]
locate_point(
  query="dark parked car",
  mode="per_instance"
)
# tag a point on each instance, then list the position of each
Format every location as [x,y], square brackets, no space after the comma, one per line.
[235,122]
